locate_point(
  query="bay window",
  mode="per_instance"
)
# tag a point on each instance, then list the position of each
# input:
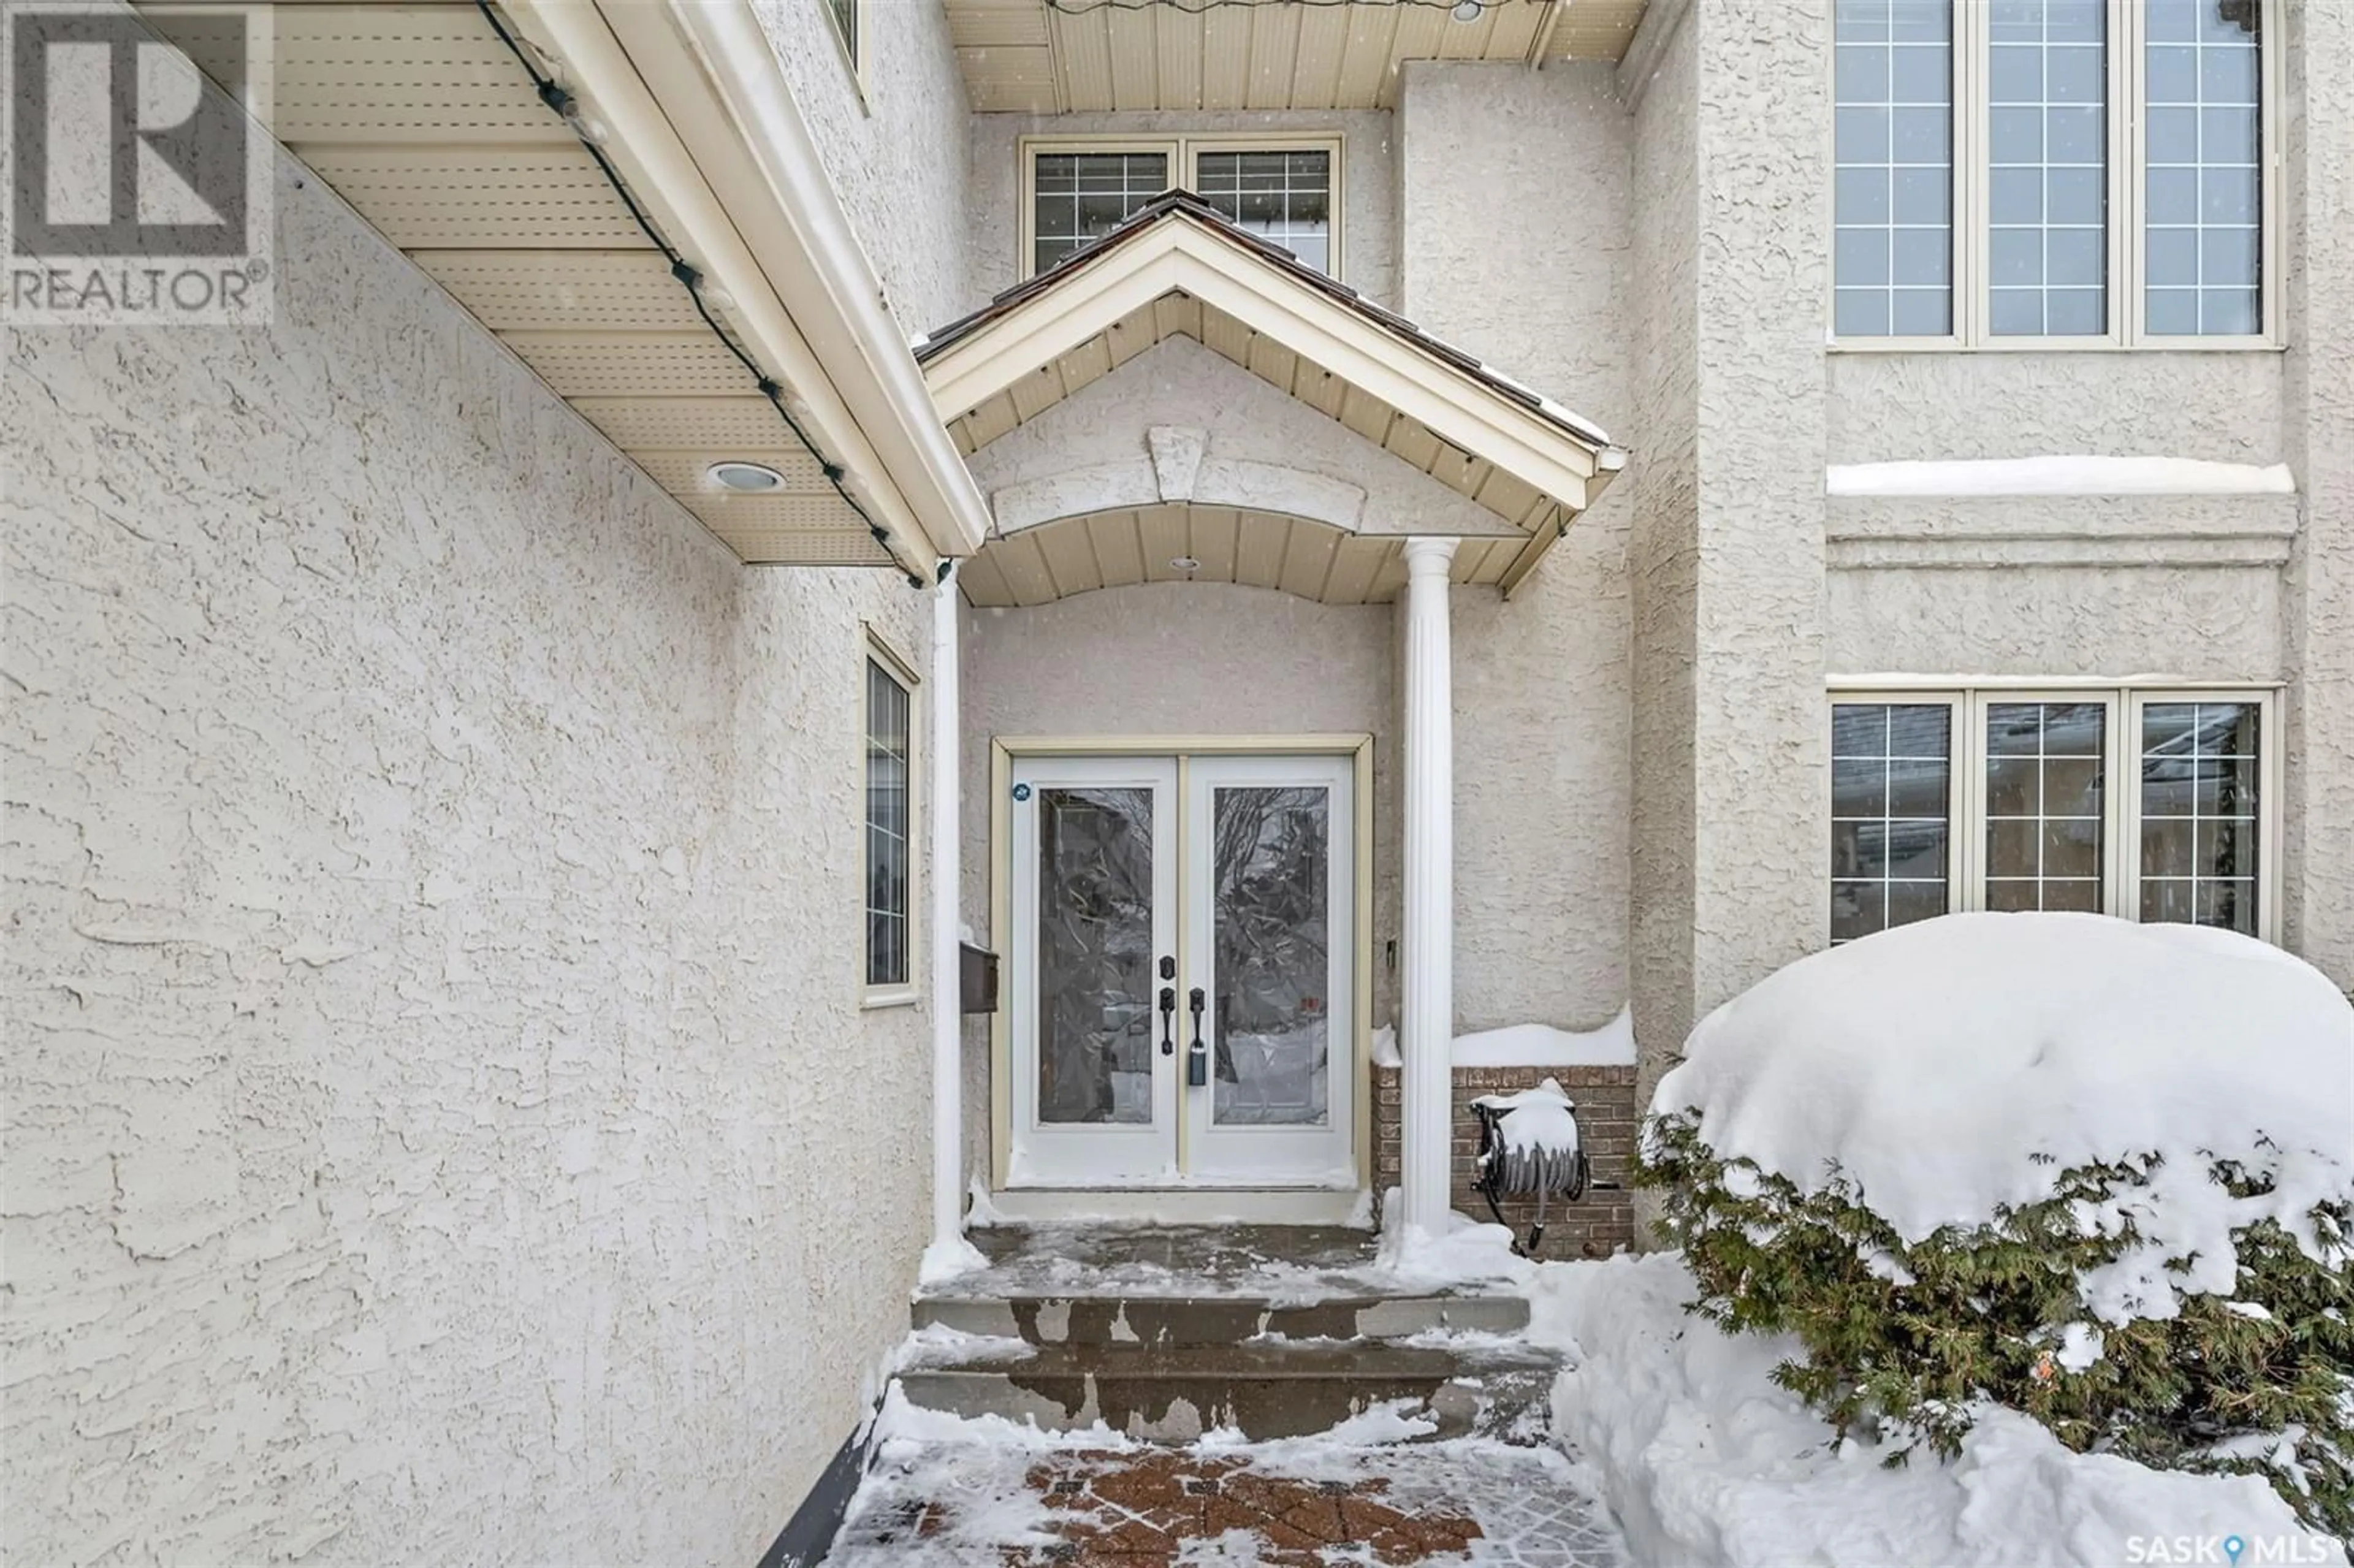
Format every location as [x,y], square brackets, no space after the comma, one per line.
[2147,803]
[2053,172]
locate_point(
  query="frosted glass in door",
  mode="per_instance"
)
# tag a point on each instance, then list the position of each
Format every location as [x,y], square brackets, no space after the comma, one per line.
[1094,1069]
[1271,929]
[1094,955]
[1269,901]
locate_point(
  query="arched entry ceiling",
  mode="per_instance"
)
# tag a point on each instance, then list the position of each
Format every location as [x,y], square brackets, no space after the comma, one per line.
[1178,269]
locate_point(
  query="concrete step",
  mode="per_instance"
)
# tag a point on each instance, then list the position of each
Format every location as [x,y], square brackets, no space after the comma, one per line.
[1165,1391]
[1126,1319]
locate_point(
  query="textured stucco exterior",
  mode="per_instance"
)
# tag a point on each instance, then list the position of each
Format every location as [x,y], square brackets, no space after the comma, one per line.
[441,1122]
[1516,201]
[2319,374]
[1369,215]
[1662,541]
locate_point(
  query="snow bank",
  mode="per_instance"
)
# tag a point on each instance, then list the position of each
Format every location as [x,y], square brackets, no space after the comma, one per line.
[1541,1046]
[1952,1067]
[1708,1464]
[2071,475]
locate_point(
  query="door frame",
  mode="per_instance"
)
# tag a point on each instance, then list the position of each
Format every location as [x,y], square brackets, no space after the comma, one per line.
[1003,751]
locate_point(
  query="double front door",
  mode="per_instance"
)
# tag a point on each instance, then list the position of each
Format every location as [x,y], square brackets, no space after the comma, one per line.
[1183,975]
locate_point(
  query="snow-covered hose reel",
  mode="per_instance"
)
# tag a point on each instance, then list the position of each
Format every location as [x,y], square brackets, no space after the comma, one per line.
[1529,1148]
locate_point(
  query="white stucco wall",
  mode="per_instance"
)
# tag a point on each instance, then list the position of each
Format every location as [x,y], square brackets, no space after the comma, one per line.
[892,135]
[1171,659]
[441,1125]
[1517,202]
[2319,599]
[1662,479]
[1369,223]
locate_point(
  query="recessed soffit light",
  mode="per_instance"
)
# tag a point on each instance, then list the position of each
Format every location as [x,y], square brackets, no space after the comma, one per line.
[747,478]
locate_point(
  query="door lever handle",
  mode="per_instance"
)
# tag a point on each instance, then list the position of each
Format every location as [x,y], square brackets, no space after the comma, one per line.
[1168,1019]
[1197,1055]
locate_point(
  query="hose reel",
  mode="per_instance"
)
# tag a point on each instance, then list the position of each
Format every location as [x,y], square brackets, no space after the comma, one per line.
[1528,1146]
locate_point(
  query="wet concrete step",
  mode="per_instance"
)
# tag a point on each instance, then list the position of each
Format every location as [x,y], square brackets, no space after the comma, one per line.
[1173,1393]
[1111,1320]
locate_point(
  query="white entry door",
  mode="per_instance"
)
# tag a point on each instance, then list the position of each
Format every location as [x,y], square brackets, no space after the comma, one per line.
[1183,975]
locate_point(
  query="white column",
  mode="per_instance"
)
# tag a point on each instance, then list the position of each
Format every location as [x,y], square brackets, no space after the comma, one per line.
[1428,1035]
[948,1247]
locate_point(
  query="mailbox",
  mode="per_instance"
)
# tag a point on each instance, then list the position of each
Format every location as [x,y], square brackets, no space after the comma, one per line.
[976,979]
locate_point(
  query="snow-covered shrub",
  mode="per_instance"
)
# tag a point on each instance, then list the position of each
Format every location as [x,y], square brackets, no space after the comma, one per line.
[2099,1172]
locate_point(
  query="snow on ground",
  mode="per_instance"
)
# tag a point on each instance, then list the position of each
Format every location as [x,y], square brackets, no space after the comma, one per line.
[1705,1463]
[1895,1062]
[947,1492]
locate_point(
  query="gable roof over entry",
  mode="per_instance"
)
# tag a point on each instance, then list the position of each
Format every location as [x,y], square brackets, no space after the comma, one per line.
[1179,268]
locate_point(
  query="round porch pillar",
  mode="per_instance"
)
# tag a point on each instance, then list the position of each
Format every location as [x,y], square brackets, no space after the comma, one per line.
[1427,983]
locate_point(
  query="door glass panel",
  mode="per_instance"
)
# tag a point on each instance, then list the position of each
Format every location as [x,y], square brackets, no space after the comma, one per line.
[1094,955]
[1271,922]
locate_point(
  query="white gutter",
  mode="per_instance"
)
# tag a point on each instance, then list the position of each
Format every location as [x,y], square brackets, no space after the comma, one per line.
[839,302]
[695,145]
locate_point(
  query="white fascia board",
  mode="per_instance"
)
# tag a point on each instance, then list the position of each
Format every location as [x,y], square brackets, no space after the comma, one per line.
[830,283]
[1075,309]
[1180,255]
[1455,408]
[689,161]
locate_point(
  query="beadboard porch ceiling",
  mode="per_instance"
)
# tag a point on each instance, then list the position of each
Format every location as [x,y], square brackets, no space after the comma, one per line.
[1062,57]
[424,120]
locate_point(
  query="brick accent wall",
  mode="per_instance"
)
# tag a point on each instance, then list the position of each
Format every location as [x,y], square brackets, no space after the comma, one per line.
[1597,1224]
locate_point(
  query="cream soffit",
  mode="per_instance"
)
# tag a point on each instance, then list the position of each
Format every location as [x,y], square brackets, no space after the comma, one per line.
[423,119]
[1257,550]
[1178,269]
[1049,57]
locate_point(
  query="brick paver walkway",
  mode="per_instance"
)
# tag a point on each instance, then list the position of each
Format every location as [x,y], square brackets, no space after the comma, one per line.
[1282,1505]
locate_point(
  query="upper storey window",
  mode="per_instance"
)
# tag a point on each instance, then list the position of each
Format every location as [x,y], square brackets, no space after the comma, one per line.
[2059,173]
[1285,188]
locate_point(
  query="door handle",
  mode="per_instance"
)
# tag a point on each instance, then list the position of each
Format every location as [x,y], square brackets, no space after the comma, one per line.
[1168,1019]
[1197,1055]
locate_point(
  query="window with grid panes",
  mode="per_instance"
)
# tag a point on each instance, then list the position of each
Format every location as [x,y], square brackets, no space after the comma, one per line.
[1282,197]
[2144,803]
[2036,116]
[1287,194]
[1080,197]
[1891,804]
